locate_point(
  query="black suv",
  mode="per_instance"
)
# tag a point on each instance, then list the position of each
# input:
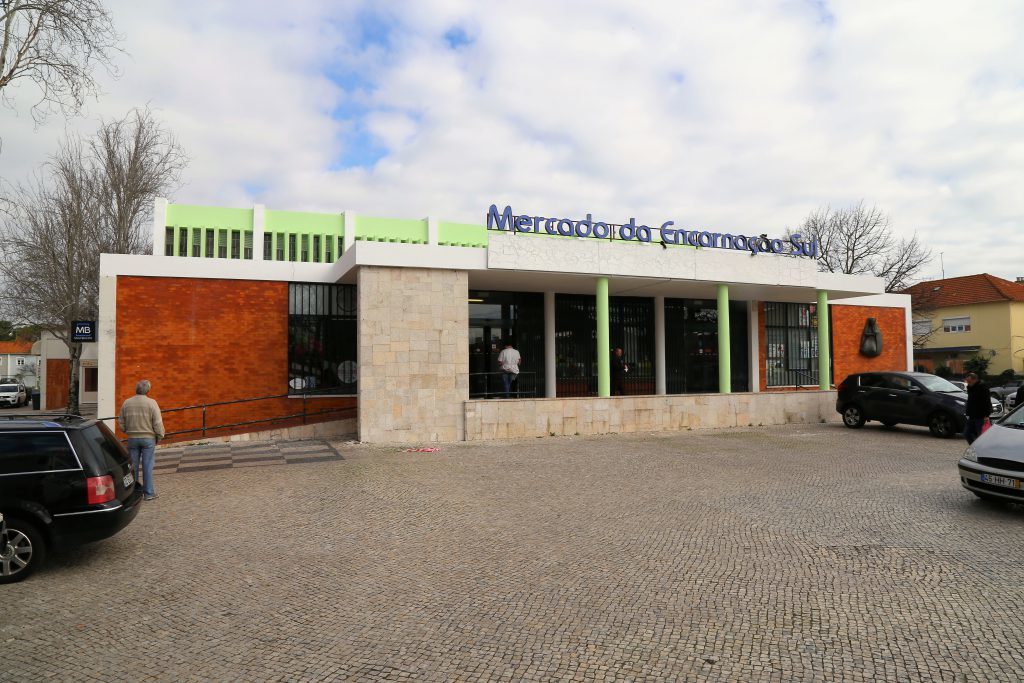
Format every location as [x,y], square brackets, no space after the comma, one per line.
[913,398]
[64,480]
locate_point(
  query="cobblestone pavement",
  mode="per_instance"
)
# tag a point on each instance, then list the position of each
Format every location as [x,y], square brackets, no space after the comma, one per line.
[220,455]
[790,553]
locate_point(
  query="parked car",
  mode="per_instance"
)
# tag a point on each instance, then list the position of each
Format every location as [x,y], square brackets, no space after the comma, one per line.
[1007,388]
[962,386]
[993,466]
[64,480]
[914,398]
[13,394]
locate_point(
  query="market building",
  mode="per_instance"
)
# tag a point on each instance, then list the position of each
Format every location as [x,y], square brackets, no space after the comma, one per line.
[395,325]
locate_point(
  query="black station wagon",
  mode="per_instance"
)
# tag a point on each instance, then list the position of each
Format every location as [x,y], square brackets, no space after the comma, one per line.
[64,480]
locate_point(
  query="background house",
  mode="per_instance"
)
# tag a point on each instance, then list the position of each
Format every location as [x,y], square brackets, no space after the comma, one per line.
[958,318]
[18,361]
[55,373]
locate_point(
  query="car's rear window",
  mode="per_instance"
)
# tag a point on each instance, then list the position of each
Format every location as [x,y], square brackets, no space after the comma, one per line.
[24,452]
[103,447]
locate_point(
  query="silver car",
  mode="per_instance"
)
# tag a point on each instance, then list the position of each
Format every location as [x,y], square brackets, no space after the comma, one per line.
[13,395]
[993,466]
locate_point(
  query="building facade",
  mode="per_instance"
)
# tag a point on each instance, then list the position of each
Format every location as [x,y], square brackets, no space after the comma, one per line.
[956,319]
[19,362]
[397,324]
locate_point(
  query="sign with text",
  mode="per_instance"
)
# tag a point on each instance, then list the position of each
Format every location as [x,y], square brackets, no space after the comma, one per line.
[507,220]
[83,331]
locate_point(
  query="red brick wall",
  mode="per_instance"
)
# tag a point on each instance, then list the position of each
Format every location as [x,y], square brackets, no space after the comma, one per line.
[206,341]
[847,328]
[58,377]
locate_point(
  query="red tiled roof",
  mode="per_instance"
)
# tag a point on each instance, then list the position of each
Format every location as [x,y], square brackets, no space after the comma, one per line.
[961,291]
[17,346]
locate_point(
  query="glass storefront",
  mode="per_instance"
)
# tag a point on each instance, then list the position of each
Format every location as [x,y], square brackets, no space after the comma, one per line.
[322,342]
[497,317]
[691,346]
[631,328]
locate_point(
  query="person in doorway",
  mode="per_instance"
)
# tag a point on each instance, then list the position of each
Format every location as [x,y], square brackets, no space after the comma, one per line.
[140,419]
[509,361]
[979,407]
[619,370]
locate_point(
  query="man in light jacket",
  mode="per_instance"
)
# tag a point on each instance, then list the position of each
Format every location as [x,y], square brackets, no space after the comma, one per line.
[140,420]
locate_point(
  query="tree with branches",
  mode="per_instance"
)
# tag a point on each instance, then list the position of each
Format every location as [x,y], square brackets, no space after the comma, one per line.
[57,46]
[858,240]
[93,196]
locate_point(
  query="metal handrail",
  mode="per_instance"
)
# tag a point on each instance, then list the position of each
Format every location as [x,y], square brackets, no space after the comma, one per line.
[529,377]
[204,428]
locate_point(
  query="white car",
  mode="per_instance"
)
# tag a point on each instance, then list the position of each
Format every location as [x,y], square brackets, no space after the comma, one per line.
[13,395]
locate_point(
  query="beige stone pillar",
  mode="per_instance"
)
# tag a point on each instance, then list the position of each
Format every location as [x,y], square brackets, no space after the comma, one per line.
[413,354]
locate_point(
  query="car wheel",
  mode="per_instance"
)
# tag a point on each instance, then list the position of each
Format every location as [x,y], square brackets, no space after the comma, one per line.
[853,417]
[942,425]
[22,549]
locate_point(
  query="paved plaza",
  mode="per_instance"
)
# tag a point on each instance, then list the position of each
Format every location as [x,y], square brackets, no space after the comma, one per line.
[779,554]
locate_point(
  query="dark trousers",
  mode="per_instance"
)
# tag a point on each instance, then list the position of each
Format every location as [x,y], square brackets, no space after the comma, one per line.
[617,389]
[972,430]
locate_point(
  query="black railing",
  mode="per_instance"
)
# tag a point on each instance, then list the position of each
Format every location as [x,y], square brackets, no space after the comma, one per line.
[305,414]
[492,385]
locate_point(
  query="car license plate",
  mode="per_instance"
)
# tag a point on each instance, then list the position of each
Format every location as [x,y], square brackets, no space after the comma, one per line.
[1000,481]
[128,480]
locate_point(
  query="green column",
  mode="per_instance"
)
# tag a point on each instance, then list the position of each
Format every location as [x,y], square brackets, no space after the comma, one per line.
[823,337]
[724,345]
[604,367]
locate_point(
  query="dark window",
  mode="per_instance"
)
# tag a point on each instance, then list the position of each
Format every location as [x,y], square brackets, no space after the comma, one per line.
[90,378]
[305,248]
[35,452]
[280,246]
[247,246]
[341,246]
[169,242]
[209,244]
[316,248]
[236,244]
[222,244]
[897,382]
[871,381]
[182,241]
[268,246]
[691,346]
[328,257]
[497,317]
[197,242]
[631,327]
[103,447]
[791,332]
[322,339]
[291,248]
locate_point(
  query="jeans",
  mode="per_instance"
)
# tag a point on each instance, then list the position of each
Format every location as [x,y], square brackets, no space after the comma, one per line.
[508,378]
[972,430]
[144,450]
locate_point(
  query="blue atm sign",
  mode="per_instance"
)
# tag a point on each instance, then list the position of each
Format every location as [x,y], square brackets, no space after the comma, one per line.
[83,331]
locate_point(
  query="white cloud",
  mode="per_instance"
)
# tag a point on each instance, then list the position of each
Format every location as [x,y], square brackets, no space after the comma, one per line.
[733,115]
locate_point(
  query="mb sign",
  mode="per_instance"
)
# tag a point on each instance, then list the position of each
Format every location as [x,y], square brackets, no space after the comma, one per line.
[83,331]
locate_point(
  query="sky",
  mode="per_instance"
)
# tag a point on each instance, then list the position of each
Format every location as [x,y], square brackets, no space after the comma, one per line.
[729,115]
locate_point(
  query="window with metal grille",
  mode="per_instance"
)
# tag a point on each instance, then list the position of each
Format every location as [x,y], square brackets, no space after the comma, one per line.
[316,248]
[631,328]
[236,244]
[305,248]
[222,244]
[169,242]
[322,342]
[197,242]
[291,248]
[791,332]
[210,253]
[182,241]
[691,348]
[341,246]
[922,327]
[961,324]
[280,246]
[328,257]
[247,246]
[268,246]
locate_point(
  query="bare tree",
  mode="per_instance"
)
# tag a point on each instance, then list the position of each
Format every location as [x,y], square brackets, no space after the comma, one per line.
[858,240]
[92,197]
[55,45]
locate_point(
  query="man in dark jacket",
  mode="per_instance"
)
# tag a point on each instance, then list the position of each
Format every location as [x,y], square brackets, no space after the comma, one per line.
[619,370]
[979,407]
